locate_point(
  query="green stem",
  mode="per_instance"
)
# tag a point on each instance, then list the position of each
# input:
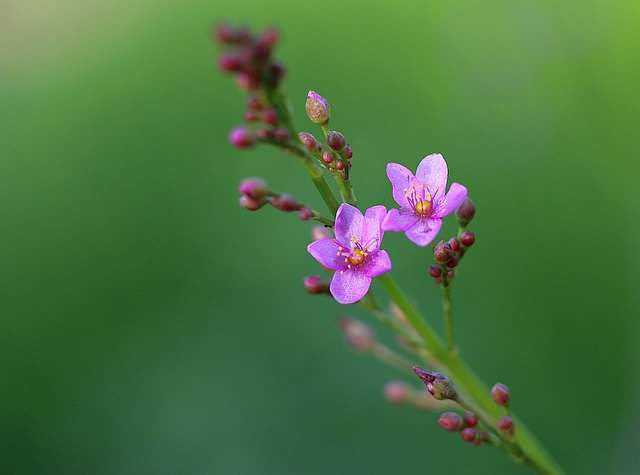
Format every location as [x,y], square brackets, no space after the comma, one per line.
[346,190]
[467,382]
[448,316]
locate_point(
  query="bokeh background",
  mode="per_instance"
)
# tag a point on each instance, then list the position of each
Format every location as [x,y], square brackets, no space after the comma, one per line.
[149,325]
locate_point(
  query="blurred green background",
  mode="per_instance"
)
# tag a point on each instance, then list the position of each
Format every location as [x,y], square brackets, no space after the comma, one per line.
[149,325]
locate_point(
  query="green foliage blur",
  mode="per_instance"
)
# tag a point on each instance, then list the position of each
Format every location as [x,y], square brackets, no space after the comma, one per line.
[148,325]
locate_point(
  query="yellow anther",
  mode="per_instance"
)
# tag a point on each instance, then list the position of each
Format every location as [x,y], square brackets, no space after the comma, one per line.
[423,207]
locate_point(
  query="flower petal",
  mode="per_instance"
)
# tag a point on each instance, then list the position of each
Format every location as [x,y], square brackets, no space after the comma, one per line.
[378,264]
[349,286]
[372,232]
[326,252]
[433,172]
[451,202]
[399,220]
[401,179]
[349,221]
[424,231]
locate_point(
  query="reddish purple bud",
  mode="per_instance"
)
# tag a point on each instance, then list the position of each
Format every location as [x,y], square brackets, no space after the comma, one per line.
[339,165]
[336,141]
[270,37]
[253,187]
[309,142]
[327,157]
[467,238]
[249,203]
[455,244]
[314,285]
[230,63]
[270,116]
[286,202]
[254,103]
[442,252]
[468,434]
[470,419]
[505,424]
[320,232]
[358,335]
[500,394]
[450,275]
[281,134]
[306,214]
[451,421]
[466,211]
[318,109]
[224,34]
[439,281]
[250,116]
[451,263]
[348,152]
[264,134]
[397,392]
[242,138]
[249,81]
[435,271]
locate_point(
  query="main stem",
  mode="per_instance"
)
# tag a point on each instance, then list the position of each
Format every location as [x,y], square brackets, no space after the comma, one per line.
[448,316]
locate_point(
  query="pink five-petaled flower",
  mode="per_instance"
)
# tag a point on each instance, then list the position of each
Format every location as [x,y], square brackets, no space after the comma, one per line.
[422,198]
[355,252]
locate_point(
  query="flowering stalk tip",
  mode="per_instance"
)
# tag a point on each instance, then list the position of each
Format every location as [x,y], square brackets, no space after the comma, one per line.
[318,109]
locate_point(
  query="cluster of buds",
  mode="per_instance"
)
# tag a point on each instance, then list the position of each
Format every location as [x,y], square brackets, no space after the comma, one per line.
[447,254]
[249,58]
[336,157]
[501,396]
[254,194]
[466,425]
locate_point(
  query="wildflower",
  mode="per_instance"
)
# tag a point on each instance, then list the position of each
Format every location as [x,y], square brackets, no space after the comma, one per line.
[355,252]
[422,199]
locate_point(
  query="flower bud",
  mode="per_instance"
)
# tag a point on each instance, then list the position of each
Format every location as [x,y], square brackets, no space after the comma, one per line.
[442,252]
[327,157]
[500,394]
[242,138]
[467,239]
[230,63]
[306,214]
[270,37]
[281,134]
[450,275]
[348,153]
[505,424]
[451,263]
[451,421]
[438,385]
[254,103]
[455,244]
[318,109]
[397,392]
[358,335]
[336,141]
[250,116]
[253,187]
[470,419]
[320,232]
[468,434]
[314,285]
[286,202]
[466,211]
[248,80]
[339,165]
[270,116]
[309,142]
[435,271]
[249,203]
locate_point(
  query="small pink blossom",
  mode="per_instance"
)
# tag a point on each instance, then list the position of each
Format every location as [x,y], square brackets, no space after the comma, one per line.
[355,252]
[422,199]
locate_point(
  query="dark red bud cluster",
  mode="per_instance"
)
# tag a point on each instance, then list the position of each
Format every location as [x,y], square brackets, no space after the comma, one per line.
[474,436]
[453,422]
[447,255]
[254,192]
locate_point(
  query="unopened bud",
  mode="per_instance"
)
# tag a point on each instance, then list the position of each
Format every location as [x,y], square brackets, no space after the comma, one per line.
[270,37]
[309,142]
[253,187]
[270,116]
[318,109]
[339,165]
[451,263]
[442,252]
[455,244]
[242,138]
[250,116]
[505,424]
[248,80]
[466,211]
[327,157]
[438,385]
[500,394]
[306,214]
[254,103]
[451,421]
[320,232]
[336,141]
[397,392]
[286,202]
[470,419]
[358,335]
[435,271]
[348,153]
[467,239]
[314,285]
[249,203]
[230,63]
[281,134]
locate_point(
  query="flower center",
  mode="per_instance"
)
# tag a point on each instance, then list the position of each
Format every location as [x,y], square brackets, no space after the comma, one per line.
[356,254]
[420,199]
[423,207]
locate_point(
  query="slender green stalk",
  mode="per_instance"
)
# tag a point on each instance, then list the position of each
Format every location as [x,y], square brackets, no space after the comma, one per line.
[448,316]
[346,190]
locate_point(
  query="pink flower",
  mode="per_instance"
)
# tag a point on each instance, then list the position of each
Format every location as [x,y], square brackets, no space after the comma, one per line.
[422,198]
[355,252]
